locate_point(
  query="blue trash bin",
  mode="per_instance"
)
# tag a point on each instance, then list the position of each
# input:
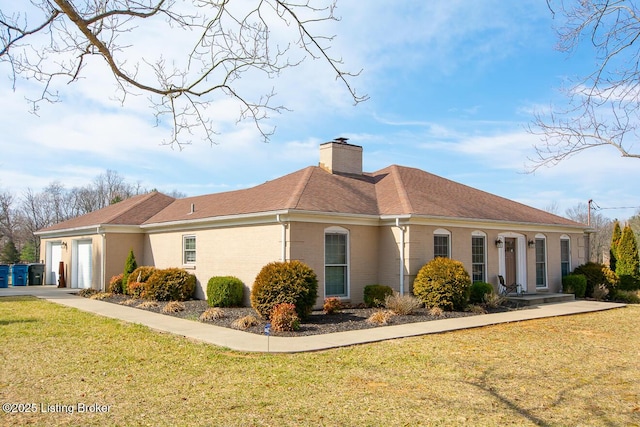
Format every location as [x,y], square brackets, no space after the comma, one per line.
[4,275]
[19,274]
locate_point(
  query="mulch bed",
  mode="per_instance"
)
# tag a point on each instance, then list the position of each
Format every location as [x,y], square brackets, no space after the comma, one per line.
[348,319]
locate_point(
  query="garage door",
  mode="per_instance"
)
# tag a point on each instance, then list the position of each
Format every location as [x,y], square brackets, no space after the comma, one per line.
[82,266]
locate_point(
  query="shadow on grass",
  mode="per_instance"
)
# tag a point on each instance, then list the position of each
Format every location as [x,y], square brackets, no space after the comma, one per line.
[4,322]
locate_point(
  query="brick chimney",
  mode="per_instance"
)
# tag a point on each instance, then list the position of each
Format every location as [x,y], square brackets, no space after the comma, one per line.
[338,156]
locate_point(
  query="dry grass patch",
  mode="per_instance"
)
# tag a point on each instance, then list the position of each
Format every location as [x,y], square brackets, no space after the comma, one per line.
[147,304]
[569,370]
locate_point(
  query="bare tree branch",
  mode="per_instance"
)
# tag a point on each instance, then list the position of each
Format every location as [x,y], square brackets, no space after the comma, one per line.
[232,41]
[603,107]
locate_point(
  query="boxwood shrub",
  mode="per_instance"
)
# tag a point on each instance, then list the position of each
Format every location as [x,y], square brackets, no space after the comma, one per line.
[225,291]
[575,284]
[374,295]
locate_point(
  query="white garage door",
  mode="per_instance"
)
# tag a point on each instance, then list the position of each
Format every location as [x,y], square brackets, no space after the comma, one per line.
[82,265]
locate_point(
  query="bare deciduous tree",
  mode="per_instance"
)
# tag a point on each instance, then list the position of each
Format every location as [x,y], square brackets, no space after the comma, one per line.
[603,107]
[602,228]
[220,41]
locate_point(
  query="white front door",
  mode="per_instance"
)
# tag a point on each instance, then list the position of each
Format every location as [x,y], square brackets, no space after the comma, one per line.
[82,265]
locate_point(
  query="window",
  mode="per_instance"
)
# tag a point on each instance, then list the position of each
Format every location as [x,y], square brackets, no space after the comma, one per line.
[188,249]
[478,257]
[441,239]
[541,264]
[565,255]
[336,262]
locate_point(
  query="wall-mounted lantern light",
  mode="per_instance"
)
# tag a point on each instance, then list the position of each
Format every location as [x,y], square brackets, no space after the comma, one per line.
[499,242]
[531,243]
[64,245]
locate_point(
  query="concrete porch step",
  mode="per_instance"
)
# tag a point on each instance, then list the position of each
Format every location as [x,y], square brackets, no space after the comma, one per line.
[541,298]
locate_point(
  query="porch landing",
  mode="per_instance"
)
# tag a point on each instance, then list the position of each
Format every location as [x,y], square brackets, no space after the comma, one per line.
[540,298]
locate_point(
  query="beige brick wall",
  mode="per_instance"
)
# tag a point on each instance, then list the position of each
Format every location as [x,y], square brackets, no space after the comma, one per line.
[239,252]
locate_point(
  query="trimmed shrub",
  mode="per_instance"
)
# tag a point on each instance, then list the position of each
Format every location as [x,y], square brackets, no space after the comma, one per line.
[574,284]
[331,305]
[402,305]
[140,274]
[597,274]
[137,289]
[374,295]
[170,284]
[444,283]
[225,291]
[478,291]
[129,266]
[278,282]
[284,317]
[115,284]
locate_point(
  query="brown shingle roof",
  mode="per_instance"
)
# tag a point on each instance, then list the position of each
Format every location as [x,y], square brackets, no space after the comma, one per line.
[395,190]
[133,211]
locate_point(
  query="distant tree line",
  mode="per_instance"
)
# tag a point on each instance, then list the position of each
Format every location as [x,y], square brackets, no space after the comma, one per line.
[21,216]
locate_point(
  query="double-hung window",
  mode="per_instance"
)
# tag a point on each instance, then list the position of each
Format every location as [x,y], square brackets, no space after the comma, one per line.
[478,257]
[188,249]
[441,243]
[336,262]
[565,255]
[541,262]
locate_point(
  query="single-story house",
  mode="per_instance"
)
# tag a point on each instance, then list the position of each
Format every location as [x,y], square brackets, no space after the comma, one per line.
[353,228]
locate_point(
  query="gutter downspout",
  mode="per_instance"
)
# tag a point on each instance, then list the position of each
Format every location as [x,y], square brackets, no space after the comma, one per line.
[284,238]
[403,229]
[102,258]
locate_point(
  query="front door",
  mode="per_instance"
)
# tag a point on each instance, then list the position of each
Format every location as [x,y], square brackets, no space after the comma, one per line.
[510,260]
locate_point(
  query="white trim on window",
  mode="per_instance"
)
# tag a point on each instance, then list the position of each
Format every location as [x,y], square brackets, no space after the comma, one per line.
[479,269]
[188,249]
[565,259]
[542,281]
[339,267]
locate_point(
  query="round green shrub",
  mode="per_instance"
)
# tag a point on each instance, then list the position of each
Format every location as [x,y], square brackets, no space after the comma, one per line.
[225,291]
[374,295]
[170,284]
[477,292]
[443,283]
[285,282]
[575,284]
[597,274]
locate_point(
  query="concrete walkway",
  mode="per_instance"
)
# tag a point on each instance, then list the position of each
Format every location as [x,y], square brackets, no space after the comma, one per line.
[248,342]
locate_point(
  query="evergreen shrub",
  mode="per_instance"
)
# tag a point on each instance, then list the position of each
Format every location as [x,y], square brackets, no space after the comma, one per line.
[597,274]
[575,284]
[115,284]
[444,283]
[478,292]
[374,295]
[284,282]
[129,266]
[225,291]
[170,284]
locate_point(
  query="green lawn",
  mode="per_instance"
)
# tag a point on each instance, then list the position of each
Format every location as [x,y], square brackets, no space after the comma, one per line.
[575,370]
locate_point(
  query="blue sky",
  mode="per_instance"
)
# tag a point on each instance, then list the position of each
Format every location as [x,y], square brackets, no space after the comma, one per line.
[452,89]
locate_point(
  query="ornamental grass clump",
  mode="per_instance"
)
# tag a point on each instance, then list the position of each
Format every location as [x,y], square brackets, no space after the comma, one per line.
[211,314]
[244,323]
[402,305]
[173,307]
[381,317]
[290,282]
[444,283]
[284,317]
